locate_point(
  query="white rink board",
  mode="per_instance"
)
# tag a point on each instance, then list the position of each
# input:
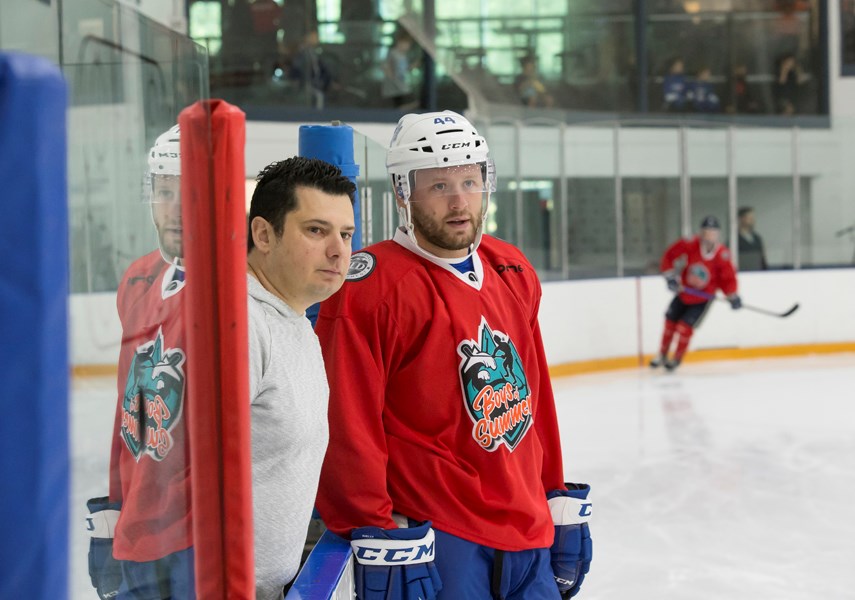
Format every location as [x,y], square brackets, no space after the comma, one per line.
[583,320]
[591,319]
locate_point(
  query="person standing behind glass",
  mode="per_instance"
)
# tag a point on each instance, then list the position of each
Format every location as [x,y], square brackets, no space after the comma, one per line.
[530,87]
[752,256]
[674,87]
[701,94]
[396,70]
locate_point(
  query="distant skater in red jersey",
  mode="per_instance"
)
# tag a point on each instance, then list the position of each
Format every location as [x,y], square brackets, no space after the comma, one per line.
[708,269]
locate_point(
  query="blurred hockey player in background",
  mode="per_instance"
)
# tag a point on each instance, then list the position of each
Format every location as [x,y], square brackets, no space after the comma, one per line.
[708,268]
[300,230]
[444,466]
[147,513]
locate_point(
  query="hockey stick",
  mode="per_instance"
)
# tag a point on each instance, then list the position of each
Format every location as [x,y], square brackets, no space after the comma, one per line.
[701,294]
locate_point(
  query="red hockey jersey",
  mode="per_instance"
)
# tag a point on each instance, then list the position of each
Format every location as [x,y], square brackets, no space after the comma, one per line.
[441,407]
[704,271]
[149,464]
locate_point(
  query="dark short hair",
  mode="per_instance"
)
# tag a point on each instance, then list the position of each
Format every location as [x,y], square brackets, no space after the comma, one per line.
[275,194]
[744,211]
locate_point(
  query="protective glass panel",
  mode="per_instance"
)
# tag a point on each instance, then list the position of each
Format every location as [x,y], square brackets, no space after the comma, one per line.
[651,222]
[378,212]
[758,57]
[128,80]
[539,196]
[501,220]
[706,150]
[763,161]
[827,213]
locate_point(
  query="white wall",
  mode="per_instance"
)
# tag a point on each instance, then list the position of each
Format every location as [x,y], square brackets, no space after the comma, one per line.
[605,318]
[267,142]
[30,26]
[166,12]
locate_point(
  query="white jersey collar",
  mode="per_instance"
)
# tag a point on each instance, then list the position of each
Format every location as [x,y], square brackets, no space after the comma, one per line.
[401,238]
[170,284]
[708,255]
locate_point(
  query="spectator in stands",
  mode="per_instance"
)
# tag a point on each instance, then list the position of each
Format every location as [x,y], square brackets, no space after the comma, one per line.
[237,30]
[701,95]
[741,97]
[789,26]
[265,27]
[296,21]
[397,71]
[787,82]
[311,72]
[674,87]
[530,87]
[300,227]
[752,256]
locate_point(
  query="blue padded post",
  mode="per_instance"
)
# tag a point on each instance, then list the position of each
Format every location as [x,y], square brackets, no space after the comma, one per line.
[34,369]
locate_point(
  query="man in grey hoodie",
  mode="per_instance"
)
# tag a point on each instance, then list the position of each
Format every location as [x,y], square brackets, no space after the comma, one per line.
[300,228]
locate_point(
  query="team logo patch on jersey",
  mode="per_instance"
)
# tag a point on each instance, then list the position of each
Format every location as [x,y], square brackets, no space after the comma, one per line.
[153,400]
[361,266]
[698,276]
[495,389]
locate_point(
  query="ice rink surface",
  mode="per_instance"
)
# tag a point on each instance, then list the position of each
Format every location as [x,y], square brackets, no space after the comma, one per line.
[728,480]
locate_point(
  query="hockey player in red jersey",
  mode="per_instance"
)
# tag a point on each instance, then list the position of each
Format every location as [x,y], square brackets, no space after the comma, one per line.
[444,465]
[149,463]
[708,268]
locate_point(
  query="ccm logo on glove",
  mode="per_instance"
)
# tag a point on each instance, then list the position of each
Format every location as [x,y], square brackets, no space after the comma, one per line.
[394,552]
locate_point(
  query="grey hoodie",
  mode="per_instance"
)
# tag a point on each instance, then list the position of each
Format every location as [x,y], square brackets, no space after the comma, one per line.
[289,396]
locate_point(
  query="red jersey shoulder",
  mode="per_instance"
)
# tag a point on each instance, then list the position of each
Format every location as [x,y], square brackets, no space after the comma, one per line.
[144,271]
[508,262]
[724,253]
[139,278]
[503,257]
[392,259]
[374,272]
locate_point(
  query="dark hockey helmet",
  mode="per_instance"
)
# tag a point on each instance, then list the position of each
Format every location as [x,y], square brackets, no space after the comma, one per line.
[710,222]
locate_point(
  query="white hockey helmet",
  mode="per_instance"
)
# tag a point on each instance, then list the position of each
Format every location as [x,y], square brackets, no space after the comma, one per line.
[435,139]
[432,140]
[164,158]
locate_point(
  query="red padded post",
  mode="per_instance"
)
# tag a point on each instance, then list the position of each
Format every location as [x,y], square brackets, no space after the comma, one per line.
[214,220]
